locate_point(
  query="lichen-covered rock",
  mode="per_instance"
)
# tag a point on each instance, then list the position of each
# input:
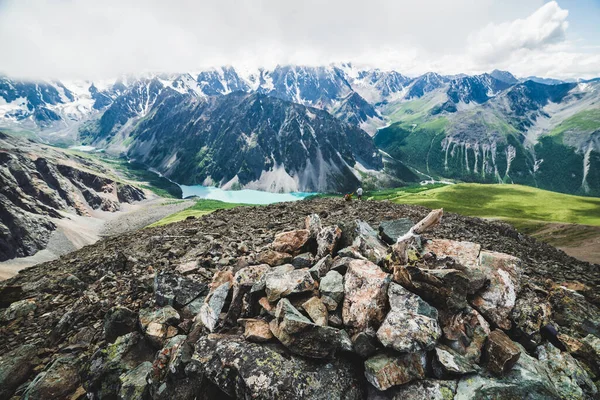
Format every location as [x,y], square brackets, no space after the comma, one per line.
[527,380]
[365,295]
[18,309]
[327,240]
[411,324]
[332,287]
[15,368]
[465,332]
[102,376]
[532,311]
[280,284]
[57,382]
[302,337]
[274,258]
[567,375]
[316,310]
[119,321]
[365,344]
[390,231]
[176,290]
[497,301]
[573,313]
[256,330]
[134,384]
[426,389]
[293,242]
[386,370]
[447,362]
[247,370]
[501,352]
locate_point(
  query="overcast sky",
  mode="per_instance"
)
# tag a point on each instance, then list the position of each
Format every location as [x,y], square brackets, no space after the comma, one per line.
[103,39]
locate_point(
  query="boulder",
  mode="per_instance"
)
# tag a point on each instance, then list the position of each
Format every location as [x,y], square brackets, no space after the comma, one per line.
[527,380]
[465,253]
[340,264]
[159,325]
[102,376]
[327,240]
[430,389]
[447,289]
[497,301]
[365,295]
[448,363]
[16,367]
[365,344]
[313,224]
[18,309]
[573,313]
[316,310]
[566,373]
[293,242]
[390,231]
[465,332]
[242,304]
[119,321]
[332,289]
[351,252]
[176,290]
[321,268]
[304,260]
[368,243]
[532,311]
[256,330]
[501,352]
[214,303]
[134,383]
[387,370]
[241,369]
[274,258]
[411,324]
[57,382]
[278,284]
[302,337]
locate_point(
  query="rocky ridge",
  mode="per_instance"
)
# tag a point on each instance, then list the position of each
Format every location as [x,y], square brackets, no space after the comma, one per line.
[305,300]
[39,185]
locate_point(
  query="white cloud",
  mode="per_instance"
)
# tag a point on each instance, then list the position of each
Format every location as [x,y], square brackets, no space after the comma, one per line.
[547,26]
[90,38]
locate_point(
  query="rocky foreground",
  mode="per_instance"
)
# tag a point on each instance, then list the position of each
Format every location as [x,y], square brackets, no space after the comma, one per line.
[314,299]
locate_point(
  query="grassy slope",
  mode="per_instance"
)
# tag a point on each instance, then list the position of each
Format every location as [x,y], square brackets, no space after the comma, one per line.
[515,203]
[202,207]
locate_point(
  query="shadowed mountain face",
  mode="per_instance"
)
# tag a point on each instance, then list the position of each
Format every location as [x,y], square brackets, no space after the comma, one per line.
[39,186]
[253,141]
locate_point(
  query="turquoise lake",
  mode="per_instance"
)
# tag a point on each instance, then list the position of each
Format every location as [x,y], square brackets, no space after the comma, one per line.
[244,196]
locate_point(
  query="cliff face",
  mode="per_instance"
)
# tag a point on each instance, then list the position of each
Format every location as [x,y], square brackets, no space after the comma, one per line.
[38,184]
[263,302]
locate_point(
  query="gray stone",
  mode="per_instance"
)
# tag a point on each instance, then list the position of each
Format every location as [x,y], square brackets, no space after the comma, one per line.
[321,267]
[119,321]
[327,240]
[332,287]
[313,223]
[390,231]
[448,363]
[15,368]
[304,260]
[176,290]
[18,309]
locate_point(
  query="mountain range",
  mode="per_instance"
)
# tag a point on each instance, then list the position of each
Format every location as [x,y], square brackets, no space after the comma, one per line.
[327,128]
